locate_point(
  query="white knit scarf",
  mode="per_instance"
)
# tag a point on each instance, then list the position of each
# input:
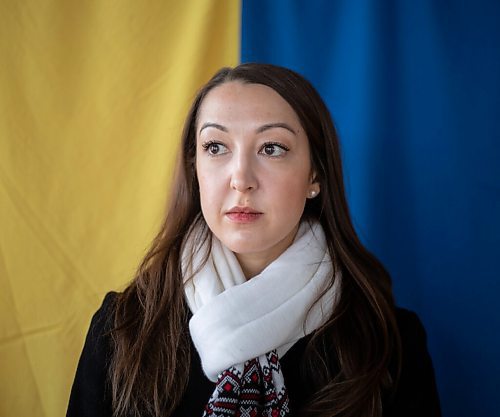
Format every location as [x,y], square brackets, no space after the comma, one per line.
[237,320]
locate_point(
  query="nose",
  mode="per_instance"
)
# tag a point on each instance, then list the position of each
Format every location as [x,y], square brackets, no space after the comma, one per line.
[243,178]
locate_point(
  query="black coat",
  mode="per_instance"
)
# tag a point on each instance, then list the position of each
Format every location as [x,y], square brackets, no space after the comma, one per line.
[90,395]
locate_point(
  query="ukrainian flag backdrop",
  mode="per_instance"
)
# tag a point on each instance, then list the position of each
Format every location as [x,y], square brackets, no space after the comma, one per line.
[92,99]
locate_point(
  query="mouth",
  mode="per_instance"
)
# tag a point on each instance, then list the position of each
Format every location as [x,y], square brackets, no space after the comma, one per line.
[243,214]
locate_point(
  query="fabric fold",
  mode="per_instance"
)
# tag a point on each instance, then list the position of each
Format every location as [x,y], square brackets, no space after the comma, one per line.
[235,320]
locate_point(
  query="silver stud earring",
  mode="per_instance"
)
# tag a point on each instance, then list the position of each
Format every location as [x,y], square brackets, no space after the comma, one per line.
[312,194]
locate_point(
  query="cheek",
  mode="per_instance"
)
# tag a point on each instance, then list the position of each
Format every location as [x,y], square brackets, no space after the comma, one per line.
[211,194]
[204,180]
[289,193]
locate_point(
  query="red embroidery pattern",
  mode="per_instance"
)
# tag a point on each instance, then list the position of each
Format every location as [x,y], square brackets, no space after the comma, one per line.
[257,390]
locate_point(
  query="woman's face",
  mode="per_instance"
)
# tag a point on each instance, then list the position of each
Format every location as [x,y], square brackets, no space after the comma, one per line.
[254,171]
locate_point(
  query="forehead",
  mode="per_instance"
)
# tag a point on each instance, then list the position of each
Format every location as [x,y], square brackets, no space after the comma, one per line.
[234,102]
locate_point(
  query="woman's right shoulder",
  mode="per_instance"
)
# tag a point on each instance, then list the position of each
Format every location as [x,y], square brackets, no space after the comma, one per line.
[107,305]
[103,319]
[90,395]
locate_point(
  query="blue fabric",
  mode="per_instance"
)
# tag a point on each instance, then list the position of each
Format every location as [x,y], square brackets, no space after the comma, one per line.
[414,88]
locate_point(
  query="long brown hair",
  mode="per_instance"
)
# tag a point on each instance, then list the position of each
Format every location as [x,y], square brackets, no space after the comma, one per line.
[150,364]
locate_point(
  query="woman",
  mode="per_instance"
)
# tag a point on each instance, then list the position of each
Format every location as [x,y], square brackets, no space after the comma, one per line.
[256,297]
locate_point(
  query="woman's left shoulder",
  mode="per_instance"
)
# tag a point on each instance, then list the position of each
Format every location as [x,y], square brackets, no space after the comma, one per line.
[409,324]
[416,393]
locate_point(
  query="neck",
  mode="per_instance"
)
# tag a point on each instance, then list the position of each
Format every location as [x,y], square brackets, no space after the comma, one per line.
[254,263]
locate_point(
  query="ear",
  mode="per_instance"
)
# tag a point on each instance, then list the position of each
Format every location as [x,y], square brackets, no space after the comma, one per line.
[314,187]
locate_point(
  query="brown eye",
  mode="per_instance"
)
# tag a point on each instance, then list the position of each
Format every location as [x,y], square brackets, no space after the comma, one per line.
[269,149]
[274,149]
[213,148]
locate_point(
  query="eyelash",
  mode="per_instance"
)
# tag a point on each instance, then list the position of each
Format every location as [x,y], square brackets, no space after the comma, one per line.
[206,145]
[279,145]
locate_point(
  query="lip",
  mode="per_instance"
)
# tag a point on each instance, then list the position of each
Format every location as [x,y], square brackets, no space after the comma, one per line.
[239,214]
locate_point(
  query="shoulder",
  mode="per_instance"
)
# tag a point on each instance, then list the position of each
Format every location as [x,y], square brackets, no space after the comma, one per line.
[410,327]
[90,394]
[103,318]
[416,392]
[413,341]
[98,338]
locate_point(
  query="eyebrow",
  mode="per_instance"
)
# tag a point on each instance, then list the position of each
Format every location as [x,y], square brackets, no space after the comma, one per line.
[214,125]
[268,126]
[261,129]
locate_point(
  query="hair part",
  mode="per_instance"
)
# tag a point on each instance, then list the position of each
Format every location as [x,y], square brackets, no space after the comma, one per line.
[150,364]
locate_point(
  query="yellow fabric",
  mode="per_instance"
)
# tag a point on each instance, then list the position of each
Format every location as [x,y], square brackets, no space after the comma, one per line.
[92,99]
